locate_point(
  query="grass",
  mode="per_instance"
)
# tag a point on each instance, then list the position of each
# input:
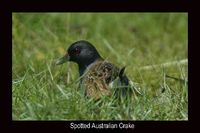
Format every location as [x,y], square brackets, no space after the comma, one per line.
[42,91]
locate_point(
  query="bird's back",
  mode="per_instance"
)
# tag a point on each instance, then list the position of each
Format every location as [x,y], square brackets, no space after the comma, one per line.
[99,76]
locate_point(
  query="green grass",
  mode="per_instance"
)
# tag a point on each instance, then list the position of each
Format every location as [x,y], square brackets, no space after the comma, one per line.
[42,91]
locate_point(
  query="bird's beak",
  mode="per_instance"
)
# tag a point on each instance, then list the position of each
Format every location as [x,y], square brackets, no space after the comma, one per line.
[63,59]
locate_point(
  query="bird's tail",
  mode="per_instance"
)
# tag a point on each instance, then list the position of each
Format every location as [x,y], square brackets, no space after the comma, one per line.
[125,88]
[123,78]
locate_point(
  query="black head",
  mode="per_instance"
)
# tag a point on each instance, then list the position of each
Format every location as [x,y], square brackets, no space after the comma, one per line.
[82,52]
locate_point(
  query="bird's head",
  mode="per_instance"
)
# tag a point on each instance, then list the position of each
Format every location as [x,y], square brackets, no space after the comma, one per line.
[81,52]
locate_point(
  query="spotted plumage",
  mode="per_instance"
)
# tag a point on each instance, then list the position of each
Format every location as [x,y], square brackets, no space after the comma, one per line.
[97,74]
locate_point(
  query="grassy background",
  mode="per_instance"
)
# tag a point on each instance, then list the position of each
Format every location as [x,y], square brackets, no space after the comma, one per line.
[41,91]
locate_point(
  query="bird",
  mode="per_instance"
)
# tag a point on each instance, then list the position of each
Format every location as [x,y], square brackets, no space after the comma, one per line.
[98,76]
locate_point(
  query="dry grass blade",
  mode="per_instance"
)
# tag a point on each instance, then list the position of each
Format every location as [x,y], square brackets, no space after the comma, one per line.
[184,61]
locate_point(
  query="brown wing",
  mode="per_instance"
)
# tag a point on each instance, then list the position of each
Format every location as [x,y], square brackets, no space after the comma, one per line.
[98,77]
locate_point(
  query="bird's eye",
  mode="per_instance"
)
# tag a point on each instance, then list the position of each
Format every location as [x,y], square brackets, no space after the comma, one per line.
[77,51]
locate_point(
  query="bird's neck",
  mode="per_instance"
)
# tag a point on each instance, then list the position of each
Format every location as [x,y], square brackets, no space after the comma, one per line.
[83,67]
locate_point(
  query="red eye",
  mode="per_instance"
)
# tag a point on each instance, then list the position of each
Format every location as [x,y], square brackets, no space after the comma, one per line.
[77,51]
